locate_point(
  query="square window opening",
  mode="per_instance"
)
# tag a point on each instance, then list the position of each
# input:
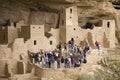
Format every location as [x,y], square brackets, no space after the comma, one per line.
[35,42]
[51,42]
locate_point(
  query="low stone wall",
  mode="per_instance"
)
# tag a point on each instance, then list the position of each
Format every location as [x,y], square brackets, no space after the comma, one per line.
[28,76]
[56,74]
[9,67]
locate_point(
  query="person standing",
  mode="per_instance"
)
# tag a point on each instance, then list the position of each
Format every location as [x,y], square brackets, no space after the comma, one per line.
[97,45]
[58,62]
[62,61]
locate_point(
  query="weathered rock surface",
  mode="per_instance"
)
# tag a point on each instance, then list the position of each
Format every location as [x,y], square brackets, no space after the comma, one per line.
[91,11]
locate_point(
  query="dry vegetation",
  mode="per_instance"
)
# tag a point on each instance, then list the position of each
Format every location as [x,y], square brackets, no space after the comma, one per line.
[110,68]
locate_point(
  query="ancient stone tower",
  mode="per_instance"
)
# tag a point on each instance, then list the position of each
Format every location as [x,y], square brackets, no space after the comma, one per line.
[69,22]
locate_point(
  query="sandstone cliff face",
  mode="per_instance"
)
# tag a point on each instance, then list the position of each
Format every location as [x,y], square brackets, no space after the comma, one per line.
[12,10]
[92,11]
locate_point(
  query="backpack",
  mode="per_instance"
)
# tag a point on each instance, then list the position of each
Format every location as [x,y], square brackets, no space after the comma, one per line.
[62,60]
[84,61]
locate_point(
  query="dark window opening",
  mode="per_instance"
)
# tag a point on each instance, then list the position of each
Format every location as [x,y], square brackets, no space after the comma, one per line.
[35,42]
[50,42]
[74,29]
[88,25]
[70,17]
[71,11]
[33,27]
[108,24]
[14,24]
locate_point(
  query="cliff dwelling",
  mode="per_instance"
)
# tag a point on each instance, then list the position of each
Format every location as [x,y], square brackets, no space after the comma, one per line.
[52,39]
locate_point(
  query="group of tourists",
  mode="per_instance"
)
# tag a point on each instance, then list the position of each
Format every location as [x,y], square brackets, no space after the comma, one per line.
[68,55]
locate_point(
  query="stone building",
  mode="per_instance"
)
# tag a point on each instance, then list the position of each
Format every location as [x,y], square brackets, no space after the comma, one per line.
[8,34]
[35,39]
[32,38]
[69,28]
[69,20]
